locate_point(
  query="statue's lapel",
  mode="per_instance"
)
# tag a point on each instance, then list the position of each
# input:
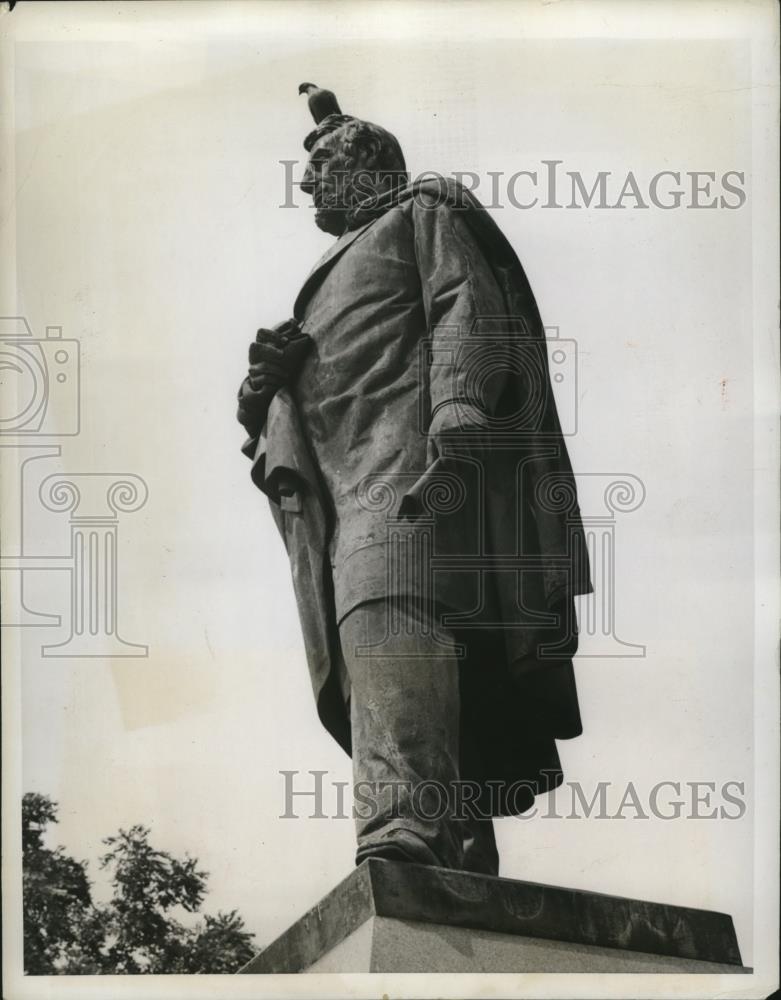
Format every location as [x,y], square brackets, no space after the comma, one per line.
[324,265]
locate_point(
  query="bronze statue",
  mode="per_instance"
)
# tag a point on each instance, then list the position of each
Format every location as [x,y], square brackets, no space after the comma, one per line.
[403,427]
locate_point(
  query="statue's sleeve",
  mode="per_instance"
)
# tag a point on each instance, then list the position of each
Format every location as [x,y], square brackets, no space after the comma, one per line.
[462,300]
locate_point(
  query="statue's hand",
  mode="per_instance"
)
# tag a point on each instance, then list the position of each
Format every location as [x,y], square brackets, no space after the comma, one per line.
[267,368]
[275,358]
[253,407]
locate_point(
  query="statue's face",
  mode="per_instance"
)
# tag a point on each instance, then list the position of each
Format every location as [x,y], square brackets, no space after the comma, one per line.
[324,178]
[330,178]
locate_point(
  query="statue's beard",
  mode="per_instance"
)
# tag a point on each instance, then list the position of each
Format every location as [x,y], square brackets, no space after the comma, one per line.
[331,218]
[332,208]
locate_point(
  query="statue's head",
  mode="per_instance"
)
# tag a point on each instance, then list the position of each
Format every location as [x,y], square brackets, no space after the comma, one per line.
[351,162]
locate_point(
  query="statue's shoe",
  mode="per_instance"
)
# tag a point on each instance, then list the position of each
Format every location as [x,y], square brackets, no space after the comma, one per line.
[399,845]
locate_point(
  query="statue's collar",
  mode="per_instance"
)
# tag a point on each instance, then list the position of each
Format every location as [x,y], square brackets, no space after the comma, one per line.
[375,206]
[436,190]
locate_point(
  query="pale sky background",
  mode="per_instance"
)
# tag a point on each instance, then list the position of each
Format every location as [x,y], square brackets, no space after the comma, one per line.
[148,227]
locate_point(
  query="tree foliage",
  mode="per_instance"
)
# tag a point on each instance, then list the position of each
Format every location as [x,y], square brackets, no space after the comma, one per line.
[137,931]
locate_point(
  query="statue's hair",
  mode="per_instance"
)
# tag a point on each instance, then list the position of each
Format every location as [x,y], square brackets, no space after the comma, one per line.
[354,132]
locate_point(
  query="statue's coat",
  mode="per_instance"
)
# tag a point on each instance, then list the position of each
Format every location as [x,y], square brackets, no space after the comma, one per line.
[344,454]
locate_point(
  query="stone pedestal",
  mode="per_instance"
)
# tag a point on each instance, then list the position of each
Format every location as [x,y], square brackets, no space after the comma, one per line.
[392,917]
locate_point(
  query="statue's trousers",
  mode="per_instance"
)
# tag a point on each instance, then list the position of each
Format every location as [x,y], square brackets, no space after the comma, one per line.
[402,681]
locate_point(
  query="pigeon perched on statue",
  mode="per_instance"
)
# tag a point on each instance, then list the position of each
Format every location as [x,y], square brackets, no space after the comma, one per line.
[322,103]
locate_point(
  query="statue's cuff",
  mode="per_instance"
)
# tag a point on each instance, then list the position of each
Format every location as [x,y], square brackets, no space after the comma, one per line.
[455,415]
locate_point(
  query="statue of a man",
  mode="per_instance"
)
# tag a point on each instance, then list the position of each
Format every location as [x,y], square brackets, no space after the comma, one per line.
[403,426]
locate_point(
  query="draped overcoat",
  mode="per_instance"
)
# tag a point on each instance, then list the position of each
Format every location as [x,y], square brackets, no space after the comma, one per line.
[419,454]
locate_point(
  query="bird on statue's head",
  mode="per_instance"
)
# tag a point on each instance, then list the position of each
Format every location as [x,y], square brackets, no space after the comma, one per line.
[322,103]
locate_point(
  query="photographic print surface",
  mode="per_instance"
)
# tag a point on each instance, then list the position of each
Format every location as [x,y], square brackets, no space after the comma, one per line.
[463,636]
